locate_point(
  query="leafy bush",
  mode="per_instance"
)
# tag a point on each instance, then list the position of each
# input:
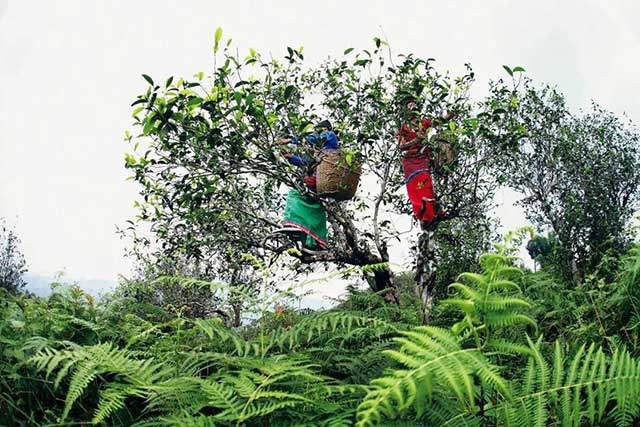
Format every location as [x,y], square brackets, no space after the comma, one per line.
[66,360]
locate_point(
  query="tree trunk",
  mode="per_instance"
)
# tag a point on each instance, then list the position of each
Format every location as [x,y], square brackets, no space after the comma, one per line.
[425,274]
[235,297]
[352,250]
[384,279]
[237,310]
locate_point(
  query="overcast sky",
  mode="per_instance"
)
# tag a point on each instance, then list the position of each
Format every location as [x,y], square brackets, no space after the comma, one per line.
[70,69]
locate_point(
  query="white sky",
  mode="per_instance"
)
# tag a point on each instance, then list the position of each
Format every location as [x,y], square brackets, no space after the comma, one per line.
[70,69]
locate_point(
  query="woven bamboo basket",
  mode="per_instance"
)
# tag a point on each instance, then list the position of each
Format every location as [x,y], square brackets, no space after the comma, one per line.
[336,179]
[445,153]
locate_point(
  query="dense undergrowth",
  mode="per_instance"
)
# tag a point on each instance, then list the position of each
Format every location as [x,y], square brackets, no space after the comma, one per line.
[507,348]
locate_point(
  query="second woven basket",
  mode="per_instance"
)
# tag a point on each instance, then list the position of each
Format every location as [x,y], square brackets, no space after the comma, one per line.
[335,178]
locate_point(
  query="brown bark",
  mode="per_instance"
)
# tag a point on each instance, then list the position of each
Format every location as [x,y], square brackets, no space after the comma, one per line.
[384,279]
[237,310]
[425,274]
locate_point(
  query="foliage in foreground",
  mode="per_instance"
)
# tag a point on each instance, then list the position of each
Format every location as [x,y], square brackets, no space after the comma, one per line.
[66,361]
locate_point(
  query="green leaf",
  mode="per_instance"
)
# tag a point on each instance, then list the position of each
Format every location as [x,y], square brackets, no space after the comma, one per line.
[308,128]
[129,159]
[518,70]
[168,82]
[523,130]
[508,70]
[17,324]
[288,91]
[348,158]
[194,102]
[348,51]
[148,79]
[137,110]
[216,39]
[148,126]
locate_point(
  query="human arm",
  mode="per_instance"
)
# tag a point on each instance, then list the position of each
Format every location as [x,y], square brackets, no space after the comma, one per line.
[298,160]
[285,141]
[329,139]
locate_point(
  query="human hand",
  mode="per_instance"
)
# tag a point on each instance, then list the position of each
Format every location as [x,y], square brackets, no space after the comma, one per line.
[310,182]
[447,115]
[287,155]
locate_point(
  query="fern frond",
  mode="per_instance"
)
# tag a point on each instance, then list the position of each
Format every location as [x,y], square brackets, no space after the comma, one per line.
[503,346]
[579,390]
[215,330]
[85,364]
[432,355]
[181,420]
[474,278]
[329,322]
[79,381]
[112,399]
[499,302]
[176,395]
[503,285]
[487,300]
[504,319]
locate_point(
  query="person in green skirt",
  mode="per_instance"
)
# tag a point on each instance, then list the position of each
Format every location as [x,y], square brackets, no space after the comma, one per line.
[305,219]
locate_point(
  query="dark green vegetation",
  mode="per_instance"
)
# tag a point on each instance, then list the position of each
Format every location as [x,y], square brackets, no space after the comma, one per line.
[509,348]
[206,333]
[12,263]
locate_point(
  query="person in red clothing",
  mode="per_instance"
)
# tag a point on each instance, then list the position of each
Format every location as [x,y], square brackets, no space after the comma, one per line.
[415,162]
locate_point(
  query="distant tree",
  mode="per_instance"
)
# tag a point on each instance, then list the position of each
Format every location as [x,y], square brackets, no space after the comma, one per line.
[539,248]
[549,254]
[12,262]
[580,174]
[157,281]
[459,245]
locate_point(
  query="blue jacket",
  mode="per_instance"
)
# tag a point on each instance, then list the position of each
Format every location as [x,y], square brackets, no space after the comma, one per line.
[330,142]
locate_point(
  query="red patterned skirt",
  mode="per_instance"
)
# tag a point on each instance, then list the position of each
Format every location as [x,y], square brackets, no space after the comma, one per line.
[420,187]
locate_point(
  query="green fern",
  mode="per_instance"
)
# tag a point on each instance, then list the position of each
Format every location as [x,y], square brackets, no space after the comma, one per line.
[489,300]
[112,398]
[180,420]
[433,358]
[482,372]
[88,363]
[576,391]
[215,330]
[447,385]
[590,388]
[326,325]
[177,395]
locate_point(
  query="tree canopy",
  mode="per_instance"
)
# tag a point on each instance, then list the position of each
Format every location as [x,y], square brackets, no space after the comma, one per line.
[578,172]
[208,159]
